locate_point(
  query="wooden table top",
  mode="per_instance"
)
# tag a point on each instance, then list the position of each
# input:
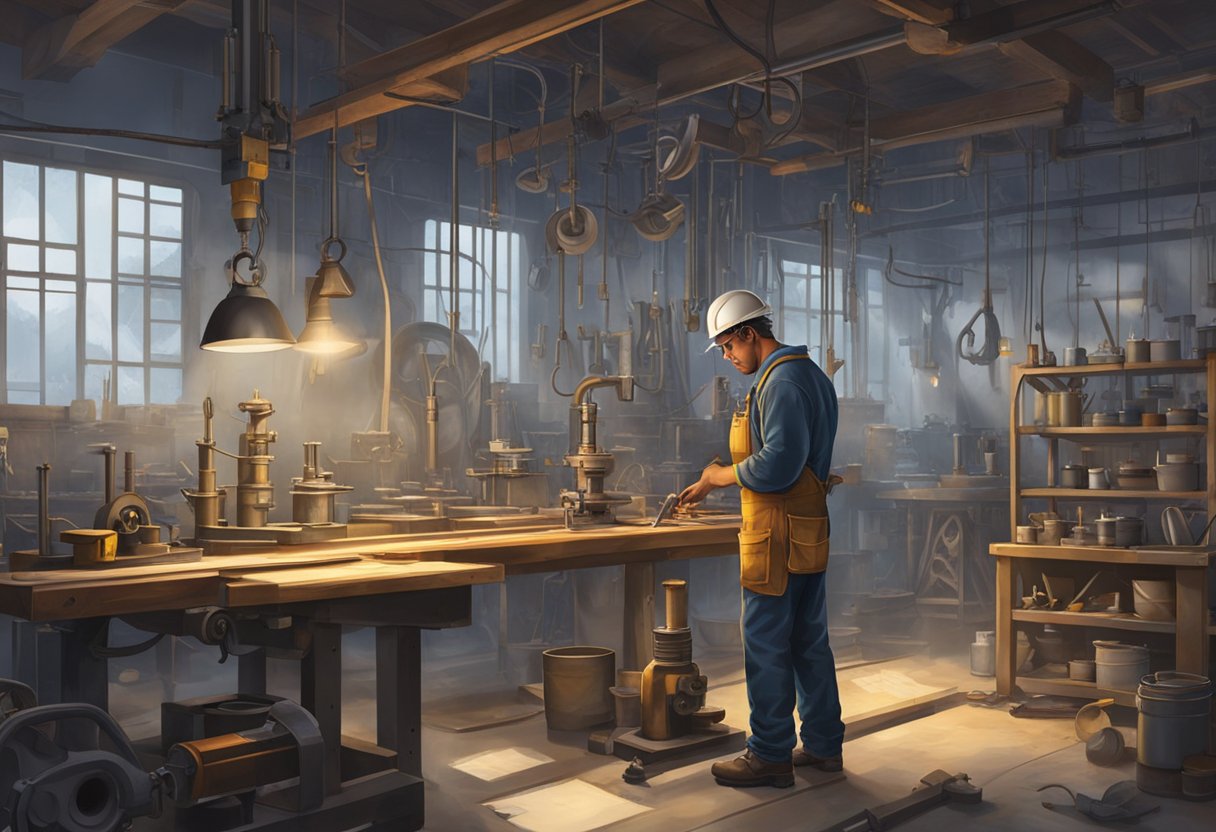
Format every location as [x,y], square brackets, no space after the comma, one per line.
[223,580]
[352,568]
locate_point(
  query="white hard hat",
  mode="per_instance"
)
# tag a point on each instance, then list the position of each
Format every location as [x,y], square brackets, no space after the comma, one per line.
[731,309]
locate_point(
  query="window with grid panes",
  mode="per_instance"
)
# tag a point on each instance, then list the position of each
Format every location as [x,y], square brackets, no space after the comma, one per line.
[480,308]
[93,296]
[801,304]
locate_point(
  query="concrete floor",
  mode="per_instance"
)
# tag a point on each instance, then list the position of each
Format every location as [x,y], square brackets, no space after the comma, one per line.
[1009,758]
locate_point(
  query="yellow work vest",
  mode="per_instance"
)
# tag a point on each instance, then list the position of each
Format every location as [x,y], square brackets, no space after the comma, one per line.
[785,531]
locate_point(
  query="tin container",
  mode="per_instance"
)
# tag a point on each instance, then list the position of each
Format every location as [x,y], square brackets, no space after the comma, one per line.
[1138,351]
[1168,349]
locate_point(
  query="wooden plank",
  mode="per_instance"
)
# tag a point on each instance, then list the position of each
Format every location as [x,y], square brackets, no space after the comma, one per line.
[349,580]
[1017,20]
[976,110]
[504,28]
[1006,589]
[922,11]
[1076,689]
[1131,433]
[1111,494]
[1108,620]
[1191,647]
[1061,57]
[1100,554]
[63,47]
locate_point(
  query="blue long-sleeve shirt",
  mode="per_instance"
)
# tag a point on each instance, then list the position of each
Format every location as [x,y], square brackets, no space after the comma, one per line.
[798,412]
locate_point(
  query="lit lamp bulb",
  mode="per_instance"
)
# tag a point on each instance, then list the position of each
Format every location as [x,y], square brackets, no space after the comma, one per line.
[1005,345]
[321,336]
[935,379]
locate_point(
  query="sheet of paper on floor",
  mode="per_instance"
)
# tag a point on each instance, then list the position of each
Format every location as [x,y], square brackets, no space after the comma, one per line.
[893,683]
[569,806]
[494,765]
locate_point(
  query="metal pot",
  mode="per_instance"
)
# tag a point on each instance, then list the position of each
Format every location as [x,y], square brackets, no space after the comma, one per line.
[1178,476]
[1106,530]
[1129,531]
[1138,351]
[1028,534]
[1075,356]
[1064,408]
[1098,478]
[1206,339]
[1181,416]
[1053,531]
[1167,349]
[1074,476]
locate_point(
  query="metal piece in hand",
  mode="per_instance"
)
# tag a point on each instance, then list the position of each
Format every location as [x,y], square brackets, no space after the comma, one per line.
[665,510]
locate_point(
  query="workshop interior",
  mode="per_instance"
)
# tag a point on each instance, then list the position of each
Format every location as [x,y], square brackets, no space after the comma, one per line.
[355,355]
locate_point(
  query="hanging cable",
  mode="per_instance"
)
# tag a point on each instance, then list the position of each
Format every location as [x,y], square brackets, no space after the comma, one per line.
[991,349]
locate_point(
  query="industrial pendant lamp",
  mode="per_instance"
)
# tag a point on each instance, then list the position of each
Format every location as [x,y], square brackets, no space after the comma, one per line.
[247,319]
[321,336]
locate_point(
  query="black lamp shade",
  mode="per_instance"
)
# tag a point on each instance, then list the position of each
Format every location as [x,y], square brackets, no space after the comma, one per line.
[246,321]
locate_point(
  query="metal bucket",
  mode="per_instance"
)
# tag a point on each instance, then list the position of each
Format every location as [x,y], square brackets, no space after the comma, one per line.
[577,682]
[1173,720]
[1119,666]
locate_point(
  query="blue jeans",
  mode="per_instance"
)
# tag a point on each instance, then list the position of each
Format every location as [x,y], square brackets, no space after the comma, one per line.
[786,651]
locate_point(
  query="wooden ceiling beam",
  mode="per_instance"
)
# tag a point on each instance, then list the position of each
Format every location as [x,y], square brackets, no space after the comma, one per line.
[920,11]
[1047,103]
[60,49]
[506,27]
[1061,57]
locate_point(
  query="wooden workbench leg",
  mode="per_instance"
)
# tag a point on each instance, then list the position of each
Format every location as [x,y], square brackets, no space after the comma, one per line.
[399,695]
[251,672]
[1006,638]
[1191,633]
[84,677]
[639,616]
[321,694]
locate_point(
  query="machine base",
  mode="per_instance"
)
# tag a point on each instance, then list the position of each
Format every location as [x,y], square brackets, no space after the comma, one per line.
[721,738]
[215,540]
[386,800]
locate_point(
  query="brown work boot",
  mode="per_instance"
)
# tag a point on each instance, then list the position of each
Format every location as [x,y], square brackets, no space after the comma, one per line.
[802,757]
[749,770]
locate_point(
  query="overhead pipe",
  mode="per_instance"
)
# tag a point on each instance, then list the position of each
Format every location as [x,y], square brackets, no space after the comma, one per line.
[1064,154]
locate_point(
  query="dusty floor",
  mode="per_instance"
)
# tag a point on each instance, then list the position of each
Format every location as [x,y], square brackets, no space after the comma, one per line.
[1009,758]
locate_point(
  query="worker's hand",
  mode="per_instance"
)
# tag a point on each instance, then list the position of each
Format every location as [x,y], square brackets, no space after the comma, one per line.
[714,476]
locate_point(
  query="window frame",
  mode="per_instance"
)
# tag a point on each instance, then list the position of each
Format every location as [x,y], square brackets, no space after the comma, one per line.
[146,281]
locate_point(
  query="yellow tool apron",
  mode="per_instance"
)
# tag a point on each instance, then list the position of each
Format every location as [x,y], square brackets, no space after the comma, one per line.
[782,532]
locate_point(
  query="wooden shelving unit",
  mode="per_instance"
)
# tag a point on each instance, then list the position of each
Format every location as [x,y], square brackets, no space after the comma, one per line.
[1192,628]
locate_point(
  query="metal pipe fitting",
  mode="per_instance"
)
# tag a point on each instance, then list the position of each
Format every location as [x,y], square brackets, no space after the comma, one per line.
[44,509]
[623,385]
[677,604]
[128,472]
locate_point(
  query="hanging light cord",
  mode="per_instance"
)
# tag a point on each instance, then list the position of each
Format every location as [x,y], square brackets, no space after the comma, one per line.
[363,170]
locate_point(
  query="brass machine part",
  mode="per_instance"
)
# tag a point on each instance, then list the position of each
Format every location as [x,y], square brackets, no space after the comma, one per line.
[673,689]
[254,489]
[207,498]
[246,192]
[432,433]
[592,465]
[233,763]
[91,546]
[313,492]
[128,472]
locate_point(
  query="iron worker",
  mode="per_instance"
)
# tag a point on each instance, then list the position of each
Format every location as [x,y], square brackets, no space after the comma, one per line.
[781,450]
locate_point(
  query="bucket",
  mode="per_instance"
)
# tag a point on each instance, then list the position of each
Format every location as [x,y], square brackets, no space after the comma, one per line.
[628,705]
[576,681]
[1119,666]
[1173,720]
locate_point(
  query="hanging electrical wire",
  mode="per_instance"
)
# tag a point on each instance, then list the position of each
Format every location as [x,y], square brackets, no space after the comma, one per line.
[890,269]
[991,349]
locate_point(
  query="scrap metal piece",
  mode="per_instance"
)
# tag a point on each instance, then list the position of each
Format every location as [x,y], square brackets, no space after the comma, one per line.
[937,787]
[1122,801]
[665,510]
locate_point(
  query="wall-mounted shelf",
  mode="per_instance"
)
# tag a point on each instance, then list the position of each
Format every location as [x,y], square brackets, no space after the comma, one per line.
[1107,620]
[1128,433]
[1186,365]
[1110,494]
[1076,689]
